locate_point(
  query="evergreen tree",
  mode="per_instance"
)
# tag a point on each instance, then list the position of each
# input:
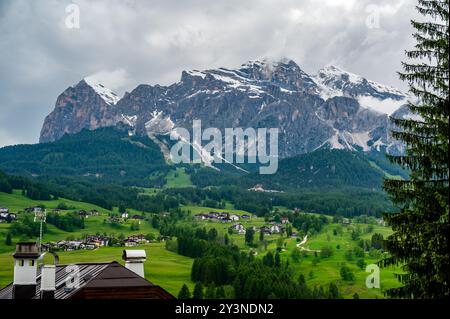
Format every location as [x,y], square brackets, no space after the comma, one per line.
[184,293]
[421,224]
[220,293]
[333,292]
[198,291]
[277,260]
[249,235]
[226,239]
[8,240]
[210,292]
[261,236]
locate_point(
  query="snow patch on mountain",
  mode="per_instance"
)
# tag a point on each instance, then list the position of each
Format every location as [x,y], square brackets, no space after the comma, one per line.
[159,124]
[106,94]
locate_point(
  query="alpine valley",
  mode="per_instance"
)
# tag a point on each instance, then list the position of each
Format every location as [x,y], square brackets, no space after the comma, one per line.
[317,217]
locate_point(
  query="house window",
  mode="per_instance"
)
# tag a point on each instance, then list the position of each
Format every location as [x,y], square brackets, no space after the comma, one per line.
[31,262]
[21,263]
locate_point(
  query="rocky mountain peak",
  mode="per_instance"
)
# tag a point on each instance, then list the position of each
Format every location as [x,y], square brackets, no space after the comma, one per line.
[333,108]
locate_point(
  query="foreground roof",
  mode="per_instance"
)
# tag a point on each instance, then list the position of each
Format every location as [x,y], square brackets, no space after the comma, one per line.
[99,281]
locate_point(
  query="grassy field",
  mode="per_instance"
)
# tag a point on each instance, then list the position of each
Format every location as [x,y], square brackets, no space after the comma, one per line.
[171,270]
[93,224]
[327,269]
[178,178]
[164,268]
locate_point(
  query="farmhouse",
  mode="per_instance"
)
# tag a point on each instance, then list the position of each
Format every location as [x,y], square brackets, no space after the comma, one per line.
[97,280]
[124,215]
[265,230]
[346,221]
[6,217]
[275,229]
[234,218]
[284,220]
[239,228]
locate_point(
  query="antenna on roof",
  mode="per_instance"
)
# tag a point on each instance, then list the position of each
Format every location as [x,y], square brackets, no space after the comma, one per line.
[40,215]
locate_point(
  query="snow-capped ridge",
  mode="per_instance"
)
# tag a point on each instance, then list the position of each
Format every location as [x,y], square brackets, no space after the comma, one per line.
[106,94]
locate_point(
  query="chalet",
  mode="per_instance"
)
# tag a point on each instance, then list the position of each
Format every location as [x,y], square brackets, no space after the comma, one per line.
[346,221]
[245,216]
[137,217]
[7,217]
[234,218]
[83,214]
[114,219]
[275,229]
[200,216]
[130,242]
[94,212]
[140,238]
[99,241]
[239,228]
[124,215]
[284,220]
[4,210]
[265,230]
[70,245]
[108,280]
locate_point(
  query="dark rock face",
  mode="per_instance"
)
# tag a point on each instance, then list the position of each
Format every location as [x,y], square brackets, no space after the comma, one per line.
[310,112]
[76,108]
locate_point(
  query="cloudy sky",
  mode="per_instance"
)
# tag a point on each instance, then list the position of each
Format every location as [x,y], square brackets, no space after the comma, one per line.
[127,42]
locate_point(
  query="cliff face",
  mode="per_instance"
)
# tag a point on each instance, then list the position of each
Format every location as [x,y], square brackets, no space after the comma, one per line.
[76,108]
[333,108]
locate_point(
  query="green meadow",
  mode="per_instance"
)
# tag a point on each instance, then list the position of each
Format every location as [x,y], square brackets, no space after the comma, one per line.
[171,270]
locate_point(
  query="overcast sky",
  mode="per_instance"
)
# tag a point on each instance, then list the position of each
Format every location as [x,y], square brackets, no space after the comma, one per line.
[128,42]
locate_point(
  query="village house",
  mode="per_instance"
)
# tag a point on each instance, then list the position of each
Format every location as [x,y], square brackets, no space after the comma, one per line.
[275,229]
[130,242]
[346,221]
[140,238]
[83,214]
[137,217]
[98,280]
[6,217]
[245,216]
[4,210]
[124,215]
[239,228]
[99,241]
[284,220]
[234,218]
[265,230]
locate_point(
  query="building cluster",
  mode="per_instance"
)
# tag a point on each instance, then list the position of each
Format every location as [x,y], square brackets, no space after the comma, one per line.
[272,227]
[6,216]
[91,242]
[221,217]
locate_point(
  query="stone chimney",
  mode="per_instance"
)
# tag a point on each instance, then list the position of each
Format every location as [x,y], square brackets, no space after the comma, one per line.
[48,281]
[134,260]
[25,270]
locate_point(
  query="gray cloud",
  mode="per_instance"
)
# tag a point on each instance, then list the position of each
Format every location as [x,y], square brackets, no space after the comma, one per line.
[130,42]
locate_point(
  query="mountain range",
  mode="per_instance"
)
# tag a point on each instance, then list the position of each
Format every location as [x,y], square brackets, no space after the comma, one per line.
[331,109]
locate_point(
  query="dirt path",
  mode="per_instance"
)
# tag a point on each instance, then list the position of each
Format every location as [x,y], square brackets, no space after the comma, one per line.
[300,245]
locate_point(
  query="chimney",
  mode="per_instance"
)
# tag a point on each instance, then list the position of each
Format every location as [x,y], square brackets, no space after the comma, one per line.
[134,260]
[25,270]
[48,281]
